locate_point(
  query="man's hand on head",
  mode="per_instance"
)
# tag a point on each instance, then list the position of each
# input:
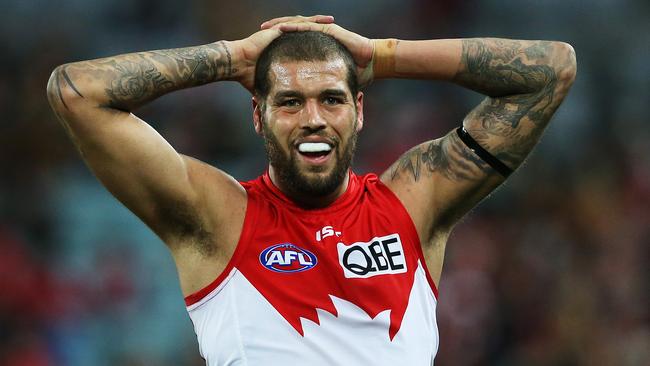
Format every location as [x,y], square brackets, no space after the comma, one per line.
[360,47]
[247,51]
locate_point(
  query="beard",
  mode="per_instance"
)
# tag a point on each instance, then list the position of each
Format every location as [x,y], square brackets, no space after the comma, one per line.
[299,182]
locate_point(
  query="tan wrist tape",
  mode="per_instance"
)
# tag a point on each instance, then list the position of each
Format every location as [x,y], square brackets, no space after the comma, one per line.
[383,58]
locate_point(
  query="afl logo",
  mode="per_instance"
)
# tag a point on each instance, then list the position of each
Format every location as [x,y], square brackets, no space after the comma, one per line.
[287,257]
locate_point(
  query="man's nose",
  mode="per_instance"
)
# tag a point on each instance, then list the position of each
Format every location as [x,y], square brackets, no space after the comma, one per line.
[314,118]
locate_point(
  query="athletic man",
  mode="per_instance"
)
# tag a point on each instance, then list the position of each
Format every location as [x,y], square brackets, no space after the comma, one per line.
[311,263]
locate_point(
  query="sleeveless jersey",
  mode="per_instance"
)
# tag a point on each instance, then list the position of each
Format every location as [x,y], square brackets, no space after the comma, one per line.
[342,285]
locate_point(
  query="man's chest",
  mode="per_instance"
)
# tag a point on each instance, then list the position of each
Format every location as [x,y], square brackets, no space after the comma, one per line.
[299,263]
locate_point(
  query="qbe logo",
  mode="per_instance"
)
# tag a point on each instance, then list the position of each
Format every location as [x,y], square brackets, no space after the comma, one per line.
[287,257]
[383,255]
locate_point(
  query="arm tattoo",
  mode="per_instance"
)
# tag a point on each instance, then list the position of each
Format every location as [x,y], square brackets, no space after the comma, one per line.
[523,82]
[447,156]
[497,67]
[229,70]
[67,80]
[58,90]
[54,84]
[130,80]
[134,82]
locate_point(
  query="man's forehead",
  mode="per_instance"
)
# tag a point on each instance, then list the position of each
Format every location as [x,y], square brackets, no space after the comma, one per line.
[308,74]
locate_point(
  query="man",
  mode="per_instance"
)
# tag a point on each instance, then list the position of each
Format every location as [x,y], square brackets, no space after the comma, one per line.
[313,263]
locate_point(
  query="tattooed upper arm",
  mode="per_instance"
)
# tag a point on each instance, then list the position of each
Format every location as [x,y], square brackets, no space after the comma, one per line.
[446,156]
[440,180]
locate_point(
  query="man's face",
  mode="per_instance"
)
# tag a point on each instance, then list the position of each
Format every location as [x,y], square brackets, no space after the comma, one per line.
[309,121]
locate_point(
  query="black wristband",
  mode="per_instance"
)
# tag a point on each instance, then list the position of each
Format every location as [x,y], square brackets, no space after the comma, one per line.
[495,163]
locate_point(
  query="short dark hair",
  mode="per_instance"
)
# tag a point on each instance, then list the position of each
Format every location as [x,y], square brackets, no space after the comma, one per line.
[302,46]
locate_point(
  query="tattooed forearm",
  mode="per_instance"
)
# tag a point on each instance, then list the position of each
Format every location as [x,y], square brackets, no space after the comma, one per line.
[498,67]
[127,81]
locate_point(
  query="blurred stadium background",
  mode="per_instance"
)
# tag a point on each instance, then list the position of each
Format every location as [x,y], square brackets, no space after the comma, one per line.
[551,270]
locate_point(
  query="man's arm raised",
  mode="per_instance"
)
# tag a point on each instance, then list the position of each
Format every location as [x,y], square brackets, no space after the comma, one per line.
[94,99]
[439,181]
[525,82]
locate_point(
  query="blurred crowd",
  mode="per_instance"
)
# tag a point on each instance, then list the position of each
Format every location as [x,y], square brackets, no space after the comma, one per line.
[552,269]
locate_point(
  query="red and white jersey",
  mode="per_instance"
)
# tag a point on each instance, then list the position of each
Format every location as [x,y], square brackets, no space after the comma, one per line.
[342,285]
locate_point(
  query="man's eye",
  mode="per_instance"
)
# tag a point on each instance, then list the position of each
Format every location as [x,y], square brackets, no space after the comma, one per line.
[291,103]
[332,100]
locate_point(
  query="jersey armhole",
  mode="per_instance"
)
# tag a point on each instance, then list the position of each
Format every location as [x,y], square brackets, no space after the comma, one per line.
[413,232]
[248,229]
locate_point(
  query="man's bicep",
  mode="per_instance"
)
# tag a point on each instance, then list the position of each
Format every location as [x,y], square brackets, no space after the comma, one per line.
[440,180]
[133,161]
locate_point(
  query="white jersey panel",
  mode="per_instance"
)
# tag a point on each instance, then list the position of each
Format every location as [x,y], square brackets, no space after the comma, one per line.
[236,325]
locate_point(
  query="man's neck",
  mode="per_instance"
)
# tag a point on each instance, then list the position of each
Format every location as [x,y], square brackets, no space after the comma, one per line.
[306,200]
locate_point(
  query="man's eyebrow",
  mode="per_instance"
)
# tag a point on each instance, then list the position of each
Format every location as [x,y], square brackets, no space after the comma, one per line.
[334,93]
[296,94]
[287,94]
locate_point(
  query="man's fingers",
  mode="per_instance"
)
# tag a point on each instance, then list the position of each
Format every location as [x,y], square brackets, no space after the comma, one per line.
[323,19]
[305,26]
[274,21]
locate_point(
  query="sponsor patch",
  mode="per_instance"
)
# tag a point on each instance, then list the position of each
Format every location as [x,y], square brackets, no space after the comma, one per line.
[383,255]
[287,258]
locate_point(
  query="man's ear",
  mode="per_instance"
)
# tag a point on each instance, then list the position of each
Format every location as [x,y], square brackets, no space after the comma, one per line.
[258,110]
[359,105]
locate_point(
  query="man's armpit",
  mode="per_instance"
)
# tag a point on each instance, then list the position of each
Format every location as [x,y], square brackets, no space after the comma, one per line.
[447,156]
[180,221]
